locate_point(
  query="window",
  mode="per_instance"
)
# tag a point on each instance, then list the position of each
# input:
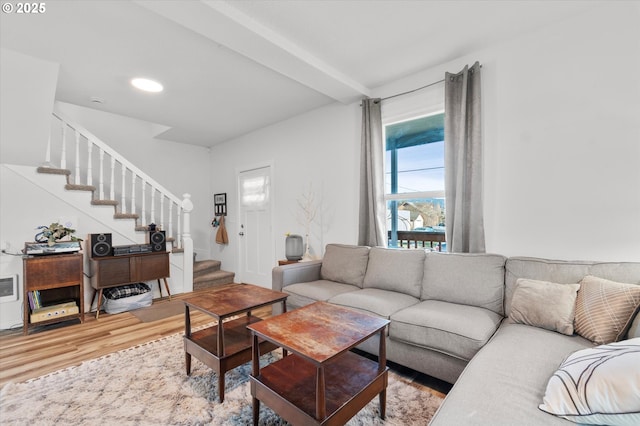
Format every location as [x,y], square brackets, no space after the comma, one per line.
[414,179]
[414,172]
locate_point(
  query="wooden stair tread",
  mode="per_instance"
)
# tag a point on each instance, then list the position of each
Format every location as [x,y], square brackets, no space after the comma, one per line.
[53,171]
[74,187]
[201,266]
[125,216]
[215,275]
[104,202]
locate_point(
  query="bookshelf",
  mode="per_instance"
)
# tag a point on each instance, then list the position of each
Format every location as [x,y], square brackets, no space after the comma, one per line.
[53,289]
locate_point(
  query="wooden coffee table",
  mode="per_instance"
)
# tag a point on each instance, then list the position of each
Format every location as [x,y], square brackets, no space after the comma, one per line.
[227,344]
[321,382]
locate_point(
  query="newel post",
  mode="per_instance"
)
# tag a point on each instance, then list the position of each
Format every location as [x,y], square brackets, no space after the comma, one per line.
[187,243]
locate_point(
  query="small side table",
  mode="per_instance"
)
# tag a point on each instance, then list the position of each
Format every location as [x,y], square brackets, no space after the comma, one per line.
[227,345]
[287,262]
[322,382]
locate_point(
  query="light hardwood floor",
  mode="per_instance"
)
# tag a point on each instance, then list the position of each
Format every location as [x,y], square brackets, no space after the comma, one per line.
[41,352]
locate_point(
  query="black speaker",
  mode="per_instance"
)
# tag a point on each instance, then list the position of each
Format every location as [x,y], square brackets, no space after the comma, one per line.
[158,241]
[101,245]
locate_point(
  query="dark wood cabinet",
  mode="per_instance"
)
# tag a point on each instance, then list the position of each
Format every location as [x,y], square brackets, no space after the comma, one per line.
[58,279]
[112,271]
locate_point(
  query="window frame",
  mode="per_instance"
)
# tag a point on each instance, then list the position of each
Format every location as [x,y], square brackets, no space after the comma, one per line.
[391,199]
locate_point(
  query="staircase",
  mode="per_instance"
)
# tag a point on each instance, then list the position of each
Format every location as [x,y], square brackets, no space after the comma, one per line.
[132,193]
[207,274]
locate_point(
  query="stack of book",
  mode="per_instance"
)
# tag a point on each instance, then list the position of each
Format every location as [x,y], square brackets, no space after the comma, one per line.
[34,300]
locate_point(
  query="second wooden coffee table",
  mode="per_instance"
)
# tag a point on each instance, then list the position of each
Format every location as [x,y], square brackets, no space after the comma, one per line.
[321,382]
[227,344]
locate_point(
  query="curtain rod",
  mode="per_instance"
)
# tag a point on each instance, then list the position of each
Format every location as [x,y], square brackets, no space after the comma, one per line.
[411,91]
[414,90]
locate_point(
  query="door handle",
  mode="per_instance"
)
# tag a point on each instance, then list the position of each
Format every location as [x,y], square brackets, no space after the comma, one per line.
[241,233]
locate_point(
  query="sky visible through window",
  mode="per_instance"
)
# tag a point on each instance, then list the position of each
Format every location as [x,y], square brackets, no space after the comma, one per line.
[420,168]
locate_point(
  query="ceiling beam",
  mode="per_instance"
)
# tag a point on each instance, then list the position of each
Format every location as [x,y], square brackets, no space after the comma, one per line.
[229,27]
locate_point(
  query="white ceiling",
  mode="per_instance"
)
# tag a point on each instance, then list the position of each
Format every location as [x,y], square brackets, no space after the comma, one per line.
[230,67]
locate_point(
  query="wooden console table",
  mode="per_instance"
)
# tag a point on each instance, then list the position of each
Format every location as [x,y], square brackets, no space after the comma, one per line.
[59,279]
[112,271]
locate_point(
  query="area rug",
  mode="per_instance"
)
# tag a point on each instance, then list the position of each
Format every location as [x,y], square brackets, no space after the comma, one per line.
[147,385]
[159,311]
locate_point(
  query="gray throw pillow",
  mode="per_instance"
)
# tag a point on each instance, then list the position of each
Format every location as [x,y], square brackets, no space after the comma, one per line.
[395,270]
[545,305]
[345,264]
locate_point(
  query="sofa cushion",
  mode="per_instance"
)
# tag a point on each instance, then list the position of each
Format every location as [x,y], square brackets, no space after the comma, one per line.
[383,303]
[564,272]
[545,304]
[395,270]
[469,279]
[505,382]
[345,264]
[597,386]
[305,293]
[456,330]
[634,329]
[605,309]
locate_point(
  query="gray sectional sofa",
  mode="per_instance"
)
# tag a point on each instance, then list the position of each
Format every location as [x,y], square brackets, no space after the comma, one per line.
[450,319]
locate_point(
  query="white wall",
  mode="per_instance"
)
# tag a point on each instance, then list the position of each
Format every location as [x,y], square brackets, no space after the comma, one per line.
[562,146]
[28,87]
[319,149]
[180,168]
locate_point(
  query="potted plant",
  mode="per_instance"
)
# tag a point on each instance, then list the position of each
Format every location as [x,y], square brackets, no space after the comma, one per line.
[55,232]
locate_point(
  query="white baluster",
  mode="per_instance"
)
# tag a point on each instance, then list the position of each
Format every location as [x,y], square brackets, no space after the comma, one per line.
[123,207]
[101,174]
[76,178]
[170,228]
[47,156]
[63,158]
[153,205]
[162,197]
[90,163]
[144,203]
[187,266]
[133,192]
[112,192]
[179,235]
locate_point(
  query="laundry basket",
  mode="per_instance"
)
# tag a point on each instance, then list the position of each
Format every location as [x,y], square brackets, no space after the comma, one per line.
[127,298]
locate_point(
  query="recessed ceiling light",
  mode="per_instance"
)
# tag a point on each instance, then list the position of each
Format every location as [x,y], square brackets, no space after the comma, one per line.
[147,85]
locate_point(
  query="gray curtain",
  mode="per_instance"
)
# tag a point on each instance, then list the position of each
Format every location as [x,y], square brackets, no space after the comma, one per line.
[463,161]
[371,228]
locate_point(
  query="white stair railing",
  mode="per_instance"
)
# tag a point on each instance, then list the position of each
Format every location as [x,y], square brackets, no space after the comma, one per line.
[152,200]
[167,203]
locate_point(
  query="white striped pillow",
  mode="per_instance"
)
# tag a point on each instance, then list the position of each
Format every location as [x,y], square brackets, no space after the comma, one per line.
[597,386]
[605,309]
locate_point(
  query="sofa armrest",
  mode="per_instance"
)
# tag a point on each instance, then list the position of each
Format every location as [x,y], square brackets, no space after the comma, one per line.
[282,276]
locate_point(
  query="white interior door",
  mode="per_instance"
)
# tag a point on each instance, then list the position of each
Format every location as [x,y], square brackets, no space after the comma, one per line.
[255,234]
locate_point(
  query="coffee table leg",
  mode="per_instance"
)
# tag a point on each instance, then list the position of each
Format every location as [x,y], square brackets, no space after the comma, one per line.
[382,365]
[187,333]
[256,411]
[221,386]
[255,372]
[187,362]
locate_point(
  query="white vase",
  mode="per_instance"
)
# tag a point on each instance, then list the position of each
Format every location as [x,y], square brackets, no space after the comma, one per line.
[307,256]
